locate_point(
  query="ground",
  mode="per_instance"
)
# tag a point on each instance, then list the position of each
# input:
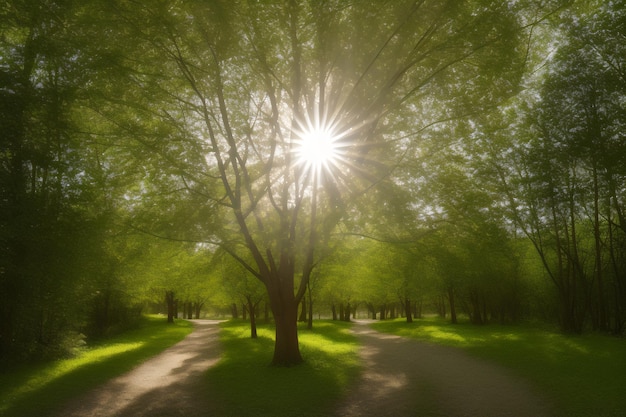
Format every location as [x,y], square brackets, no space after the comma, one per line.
[400,376]
[166,385]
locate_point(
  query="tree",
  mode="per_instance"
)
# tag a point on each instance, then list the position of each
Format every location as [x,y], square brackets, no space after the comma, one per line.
[240,285]
[561,168]
[50,235]
[223,98]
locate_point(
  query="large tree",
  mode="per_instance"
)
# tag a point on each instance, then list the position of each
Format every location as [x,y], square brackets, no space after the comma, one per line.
[281,116]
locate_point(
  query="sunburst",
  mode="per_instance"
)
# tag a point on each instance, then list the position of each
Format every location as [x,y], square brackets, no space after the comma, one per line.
[318,147]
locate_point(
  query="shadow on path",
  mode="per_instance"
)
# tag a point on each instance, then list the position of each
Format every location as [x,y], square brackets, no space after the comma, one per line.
[404,377]
[169,384]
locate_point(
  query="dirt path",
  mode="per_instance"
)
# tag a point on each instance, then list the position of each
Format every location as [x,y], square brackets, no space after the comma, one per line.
[400,376]
[166,385]
[403,375]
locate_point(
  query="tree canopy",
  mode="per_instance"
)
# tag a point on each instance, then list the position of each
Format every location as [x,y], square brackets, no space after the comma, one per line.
[273,133]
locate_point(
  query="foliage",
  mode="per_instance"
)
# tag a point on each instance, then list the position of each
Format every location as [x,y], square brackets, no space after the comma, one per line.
[220,116]
[562,173]
[142,136]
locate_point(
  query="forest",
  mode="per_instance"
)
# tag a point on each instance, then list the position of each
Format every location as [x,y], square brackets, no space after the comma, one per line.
[288,160]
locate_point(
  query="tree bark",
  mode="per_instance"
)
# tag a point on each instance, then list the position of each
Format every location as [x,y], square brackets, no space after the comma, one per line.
[284,306]
[303,310]
[171,306]
[346,313]
[453,319]
[408,310]
[310,318]
[251,309]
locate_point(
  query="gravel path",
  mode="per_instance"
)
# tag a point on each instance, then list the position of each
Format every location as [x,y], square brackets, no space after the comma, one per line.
[402,375]
[168,384]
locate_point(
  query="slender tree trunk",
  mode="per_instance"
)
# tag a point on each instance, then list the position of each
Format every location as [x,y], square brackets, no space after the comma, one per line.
[303,310]
[453,319]
[407,310]
[198,309]
[309,324]
[251,309]
[170,302]
[334,311]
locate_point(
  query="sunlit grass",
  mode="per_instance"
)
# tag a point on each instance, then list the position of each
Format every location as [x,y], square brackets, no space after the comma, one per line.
[244,383]
[583,375]
[35,389]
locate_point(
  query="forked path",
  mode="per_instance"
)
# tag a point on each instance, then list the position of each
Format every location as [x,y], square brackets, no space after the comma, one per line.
[404,377]
[169,384]
[401,378]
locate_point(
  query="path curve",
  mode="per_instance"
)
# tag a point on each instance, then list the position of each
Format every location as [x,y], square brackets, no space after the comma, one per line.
[166,385]
[403,375]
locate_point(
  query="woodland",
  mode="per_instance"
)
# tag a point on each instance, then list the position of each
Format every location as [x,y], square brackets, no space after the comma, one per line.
[288,160]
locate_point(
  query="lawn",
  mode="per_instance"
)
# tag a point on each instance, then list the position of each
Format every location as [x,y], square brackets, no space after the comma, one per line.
[38,389]
[245,384]
[584,375]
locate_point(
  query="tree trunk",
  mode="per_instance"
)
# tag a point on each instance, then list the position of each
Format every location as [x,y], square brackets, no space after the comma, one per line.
[171,306]
[372,309]
[309,324]
[346,316]
[408,310]
[334,310]
[286,347]
[251,309]
[452,306]
[285,309]
[198,309]
[303,310]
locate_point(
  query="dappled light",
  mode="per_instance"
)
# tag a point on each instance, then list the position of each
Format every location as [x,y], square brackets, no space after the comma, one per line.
[334,184]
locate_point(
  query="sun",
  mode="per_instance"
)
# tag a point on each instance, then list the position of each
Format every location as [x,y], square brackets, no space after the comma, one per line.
[317,149]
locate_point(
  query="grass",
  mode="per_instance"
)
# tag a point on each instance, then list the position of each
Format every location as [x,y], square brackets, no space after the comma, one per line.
[39,389]
[244,383]
[583,375]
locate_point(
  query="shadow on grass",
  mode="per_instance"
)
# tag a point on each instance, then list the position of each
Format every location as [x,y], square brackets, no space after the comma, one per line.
[246,385]
[39,390]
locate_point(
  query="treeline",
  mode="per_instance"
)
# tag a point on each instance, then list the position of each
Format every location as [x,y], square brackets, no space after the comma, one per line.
[109,207]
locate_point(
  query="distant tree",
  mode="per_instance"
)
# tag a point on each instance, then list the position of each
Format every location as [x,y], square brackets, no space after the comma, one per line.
[562,169]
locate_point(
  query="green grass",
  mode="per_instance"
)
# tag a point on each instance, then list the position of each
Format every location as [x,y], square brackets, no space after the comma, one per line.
[40,388]
[244,383]
[583,375]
